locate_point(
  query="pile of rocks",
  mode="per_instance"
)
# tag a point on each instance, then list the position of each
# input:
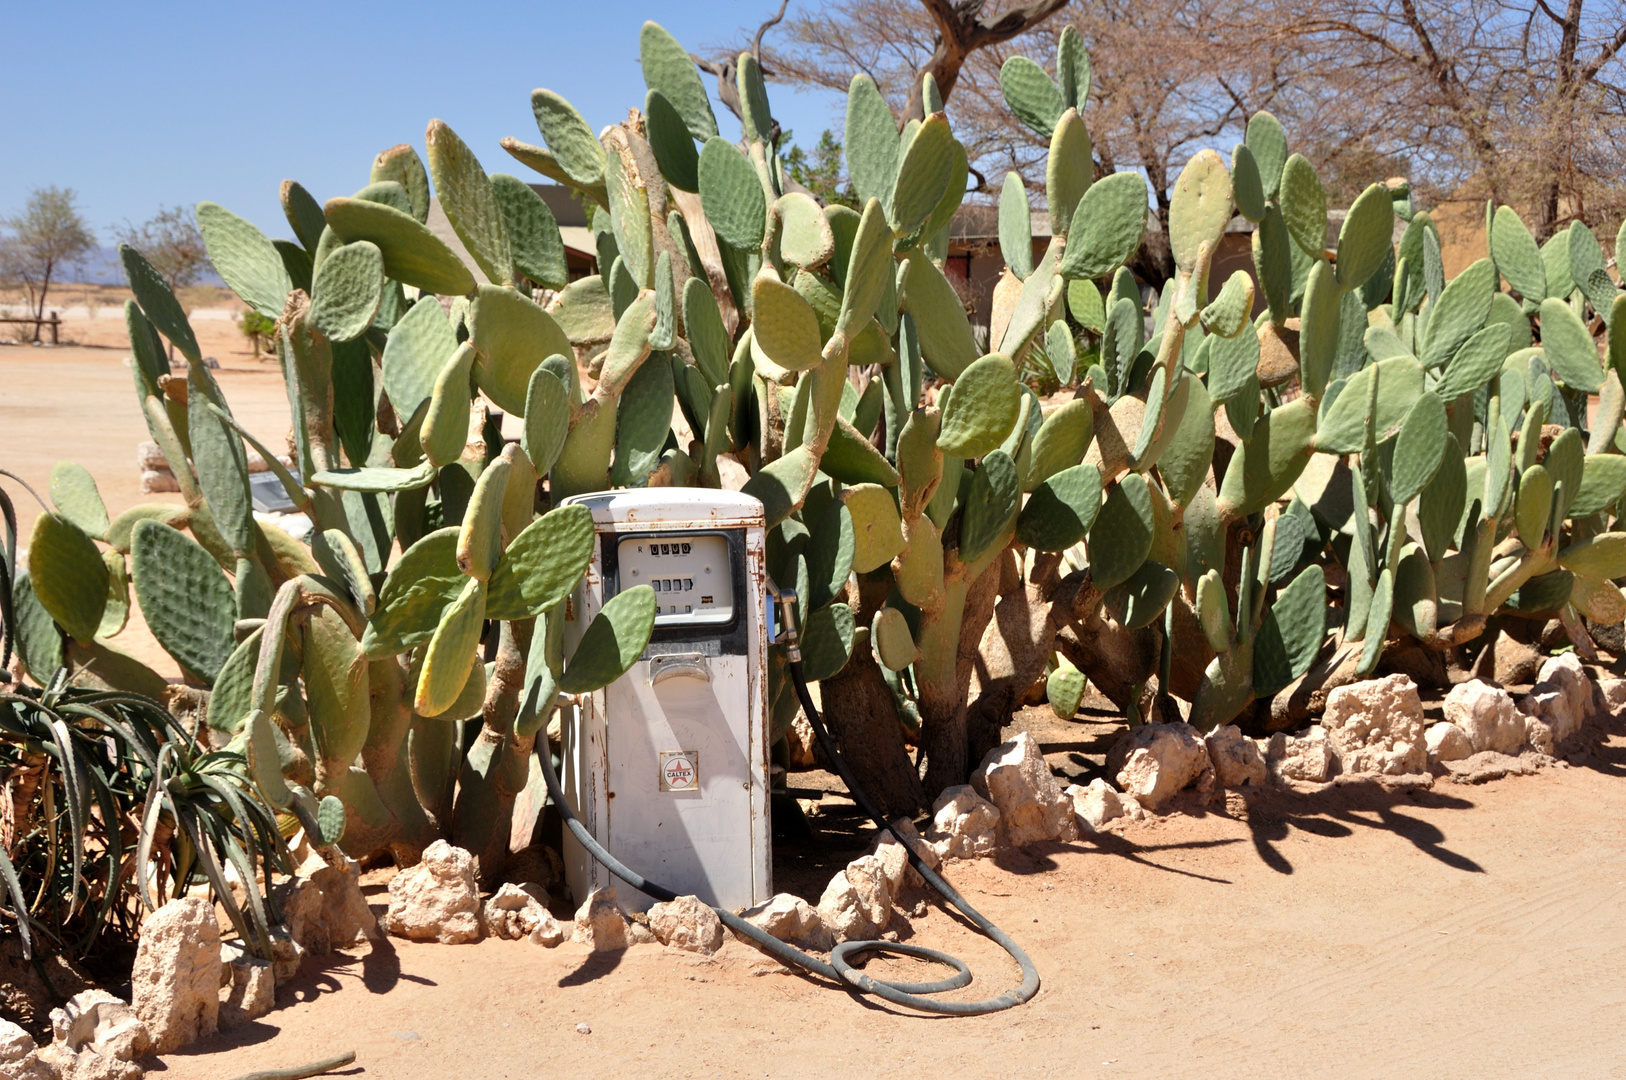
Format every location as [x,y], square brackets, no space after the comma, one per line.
[188,983]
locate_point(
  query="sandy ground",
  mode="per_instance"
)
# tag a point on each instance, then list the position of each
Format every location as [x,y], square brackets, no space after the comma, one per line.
[1459,932]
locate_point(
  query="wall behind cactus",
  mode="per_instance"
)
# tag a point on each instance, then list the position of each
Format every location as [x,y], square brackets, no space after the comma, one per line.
[137,106]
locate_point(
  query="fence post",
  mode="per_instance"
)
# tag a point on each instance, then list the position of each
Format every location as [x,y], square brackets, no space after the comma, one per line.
[56,320]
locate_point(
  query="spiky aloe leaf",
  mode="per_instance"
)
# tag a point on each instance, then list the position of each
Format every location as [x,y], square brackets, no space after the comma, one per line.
[613,641]
[186,600]
[244,259]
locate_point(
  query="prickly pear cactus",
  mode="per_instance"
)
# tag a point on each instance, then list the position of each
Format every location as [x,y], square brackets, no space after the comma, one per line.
[1246,489]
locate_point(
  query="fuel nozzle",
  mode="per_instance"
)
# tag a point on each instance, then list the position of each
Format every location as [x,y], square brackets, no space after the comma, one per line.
[785,601]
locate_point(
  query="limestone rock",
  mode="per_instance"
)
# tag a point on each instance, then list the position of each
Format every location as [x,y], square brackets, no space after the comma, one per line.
[1487,716]
[324,908]
[801,742]
[515,911]
[1155,761]
[549,932]
[96,1036]
[1032,808]
[895,861]
[1095,805]
[1447,742]
[19,1057]
[175,987]
[1133,810]
[687,923]
[639,933]
[964,824]
[1376,726]
[437,900]
[1614,693]
[1305,757]
[857,904]
[1236,758]
[252,993]
[790,919]
[599,924]
[1560,702]
[286,954]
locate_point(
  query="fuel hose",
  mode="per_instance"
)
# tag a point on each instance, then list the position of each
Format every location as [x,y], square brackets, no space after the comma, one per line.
[839,967]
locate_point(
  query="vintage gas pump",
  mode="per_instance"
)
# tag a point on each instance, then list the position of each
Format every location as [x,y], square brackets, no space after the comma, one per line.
[668,766]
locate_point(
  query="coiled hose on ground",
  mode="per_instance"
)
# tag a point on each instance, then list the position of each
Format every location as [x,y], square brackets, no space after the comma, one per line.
[839,969]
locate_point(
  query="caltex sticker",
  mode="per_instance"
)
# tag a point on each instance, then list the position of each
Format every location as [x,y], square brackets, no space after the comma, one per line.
[680,770]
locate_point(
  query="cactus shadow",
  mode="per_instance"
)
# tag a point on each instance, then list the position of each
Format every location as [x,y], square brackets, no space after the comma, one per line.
[1272,816]
[1119,846]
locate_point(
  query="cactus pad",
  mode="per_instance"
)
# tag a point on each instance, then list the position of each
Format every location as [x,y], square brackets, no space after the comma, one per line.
[613,641]
[186,600]
[412,254]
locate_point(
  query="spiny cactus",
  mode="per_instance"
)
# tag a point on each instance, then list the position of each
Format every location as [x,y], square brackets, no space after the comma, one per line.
[1235,505]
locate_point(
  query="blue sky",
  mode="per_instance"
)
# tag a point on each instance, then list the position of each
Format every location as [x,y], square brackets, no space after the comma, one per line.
[164,103]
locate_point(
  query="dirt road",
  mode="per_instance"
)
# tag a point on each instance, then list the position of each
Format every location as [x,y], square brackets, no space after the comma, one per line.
[1462,932]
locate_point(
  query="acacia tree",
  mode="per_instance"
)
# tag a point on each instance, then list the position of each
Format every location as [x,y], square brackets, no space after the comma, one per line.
[40,241]
[1520,101]
[172,243]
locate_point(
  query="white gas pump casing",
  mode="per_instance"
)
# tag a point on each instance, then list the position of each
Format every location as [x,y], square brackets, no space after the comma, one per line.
[668,766]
